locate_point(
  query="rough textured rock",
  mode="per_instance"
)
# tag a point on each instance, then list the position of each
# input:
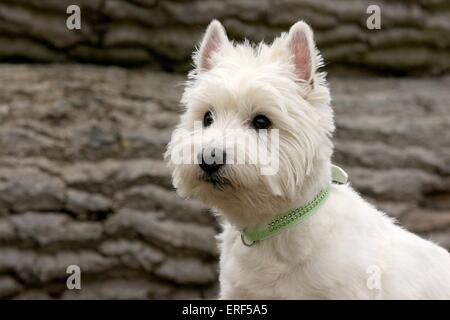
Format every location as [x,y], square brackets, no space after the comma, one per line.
[413,38]
[82,180]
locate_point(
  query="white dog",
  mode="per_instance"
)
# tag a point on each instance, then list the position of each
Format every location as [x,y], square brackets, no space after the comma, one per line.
[335,245]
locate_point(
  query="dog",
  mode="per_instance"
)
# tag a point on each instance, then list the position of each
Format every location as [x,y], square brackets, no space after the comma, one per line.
[332,243]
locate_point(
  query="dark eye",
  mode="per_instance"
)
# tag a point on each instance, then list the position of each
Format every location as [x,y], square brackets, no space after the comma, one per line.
[207,119]
[261,122]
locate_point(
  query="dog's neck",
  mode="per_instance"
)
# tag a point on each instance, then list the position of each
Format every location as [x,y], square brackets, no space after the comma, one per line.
[243,214]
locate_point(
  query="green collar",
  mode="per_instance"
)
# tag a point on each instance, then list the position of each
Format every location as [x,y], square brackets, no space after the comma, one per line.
[285,220]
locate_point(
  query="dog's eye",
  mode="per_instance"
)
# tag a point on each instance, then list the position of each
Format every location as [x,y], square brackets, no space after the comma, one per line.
[261,122]
[207,119]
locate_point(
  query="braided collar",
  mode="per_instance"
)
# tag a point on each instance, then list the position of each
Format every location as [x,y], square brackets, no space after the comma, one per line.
[283,221]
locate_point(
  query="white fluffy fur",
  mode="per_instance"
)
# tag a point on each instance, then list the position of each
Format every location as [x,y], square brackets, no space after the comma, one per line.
[328,255]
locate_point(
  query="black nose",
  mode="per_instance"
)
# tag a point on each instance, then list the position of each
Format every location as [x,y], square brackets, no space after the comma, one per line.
[211,159]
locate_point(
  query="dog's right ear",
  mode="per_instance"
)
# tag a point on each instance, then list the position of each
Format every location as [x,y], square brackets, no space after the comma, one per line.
[214,38]
[302,47]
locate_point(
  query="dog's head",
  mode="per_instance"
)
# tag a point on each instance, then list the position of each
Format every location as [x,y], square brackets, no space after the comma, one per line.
[257,121]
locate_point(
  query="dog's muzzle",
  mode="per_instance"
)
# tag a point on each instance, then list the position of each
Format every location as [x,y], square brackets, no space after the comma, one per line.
[211,160]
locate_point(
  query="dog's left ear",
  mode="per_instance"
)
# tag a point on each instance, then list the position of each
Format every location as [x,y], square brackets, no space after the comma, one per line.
[215,37]
[302,48]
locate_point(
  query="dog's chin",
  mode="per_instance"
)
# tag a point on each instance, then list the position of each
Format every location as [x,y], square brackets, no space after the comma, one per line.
[215,181]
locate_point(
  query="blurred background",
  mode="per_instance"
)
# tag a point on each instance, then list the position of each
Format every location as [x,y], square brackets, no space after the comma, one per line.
[85,116]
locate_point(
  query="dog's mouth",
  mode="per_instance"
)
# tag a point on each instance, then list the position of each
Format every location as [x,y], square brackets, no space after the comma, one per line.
[217,181]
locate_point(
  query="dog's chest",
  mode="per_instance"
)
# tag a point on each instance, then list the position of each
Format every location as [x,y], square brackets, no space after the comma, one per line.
[239,281]
[260,272]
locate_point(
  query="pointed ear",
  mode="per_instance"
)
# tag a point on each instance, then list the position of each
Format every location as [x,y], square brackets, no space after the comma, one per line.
[214,38]
[302,48]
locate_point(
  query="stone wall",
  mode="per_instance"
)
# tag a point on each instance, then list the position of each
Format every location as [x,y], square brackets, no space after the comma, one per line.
[161,34]
[82,179]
